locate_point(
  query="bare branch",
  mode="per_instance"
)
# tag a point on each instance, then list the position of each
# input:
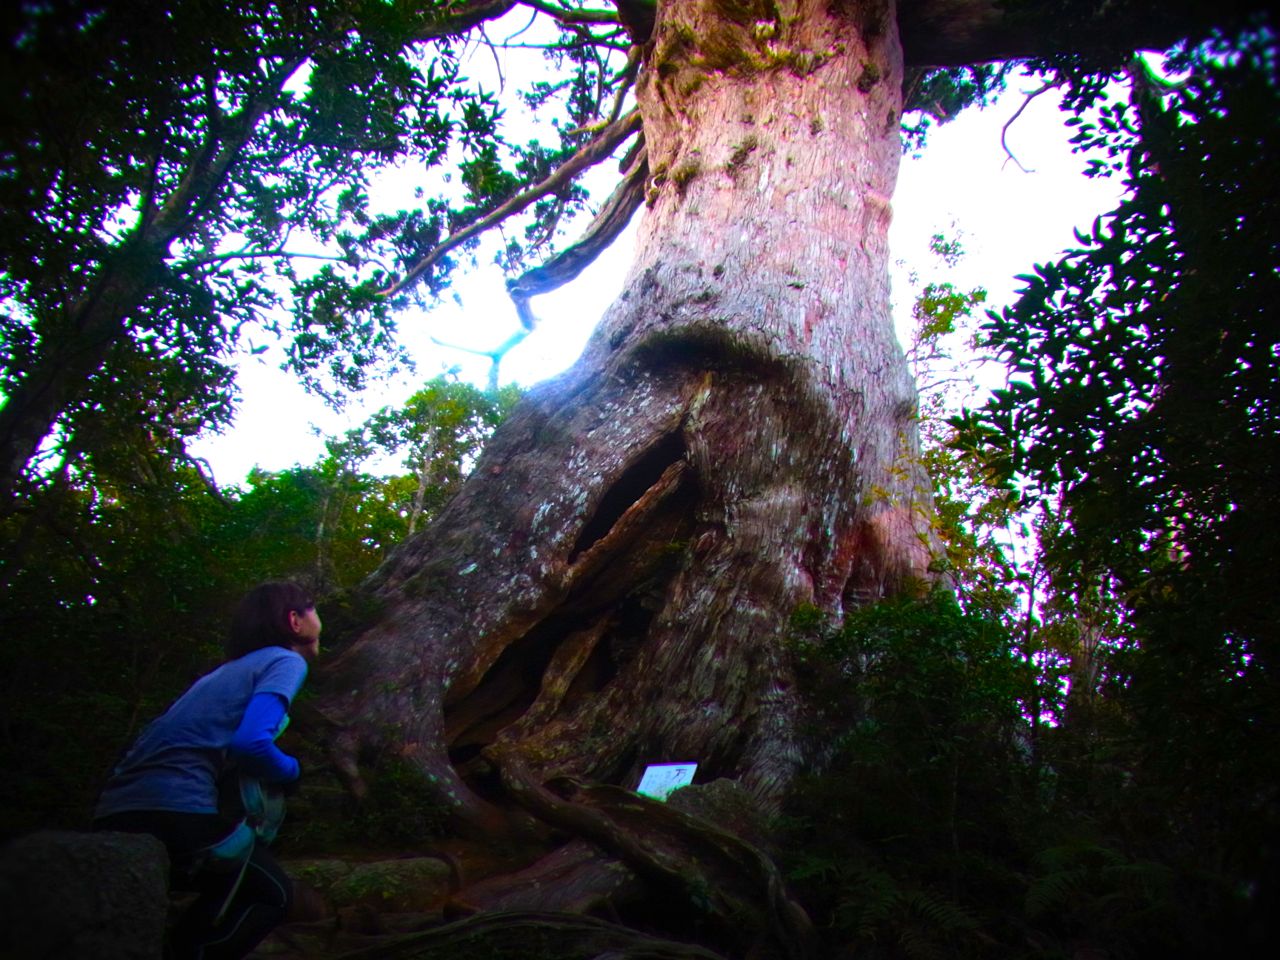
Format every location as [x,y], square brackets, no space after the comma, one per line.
[587,42]
[598,149]
[146,209]
[1004,131]
[497,61]
[533,18]
[212,110]
[205,473]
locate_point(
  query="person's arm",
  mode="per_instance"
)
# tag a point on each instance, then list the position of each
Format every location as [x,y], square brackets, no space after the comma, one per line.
[253,744]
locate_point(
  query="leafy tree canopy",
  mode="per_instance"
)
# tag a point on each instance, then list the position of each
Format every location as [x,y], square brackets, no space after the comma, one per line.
[179,183]
[1145,365]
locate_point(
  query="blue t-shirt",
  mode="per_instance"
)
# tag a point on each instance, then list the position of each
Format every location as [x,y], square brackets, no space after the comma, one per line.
[174,764]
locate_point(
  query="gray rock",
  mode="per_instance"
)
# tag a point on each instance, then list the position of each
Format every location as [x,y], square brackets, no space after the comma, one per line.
[75,896]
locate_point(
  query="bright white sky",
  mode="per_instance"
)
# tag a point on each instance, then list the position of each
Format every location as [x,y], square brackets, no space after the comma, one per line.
[962,186]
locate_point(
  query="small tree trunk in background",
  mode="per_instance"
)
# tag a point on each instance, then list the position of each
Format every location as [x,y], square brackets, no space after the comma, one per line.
[612,587]
[419,495]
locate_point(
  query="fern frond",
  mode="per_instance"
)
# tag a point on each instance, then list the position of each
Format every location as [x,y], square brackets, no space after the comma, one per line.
[1054,890]
[942,913]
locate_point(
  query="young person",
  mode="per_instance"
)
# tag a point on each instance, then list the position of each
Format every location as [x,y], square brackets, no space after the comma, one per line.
[167,782]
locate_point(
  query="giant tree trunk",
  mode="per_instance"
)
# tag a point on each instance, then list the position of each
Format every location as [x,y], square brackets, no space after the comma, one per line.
[613,585]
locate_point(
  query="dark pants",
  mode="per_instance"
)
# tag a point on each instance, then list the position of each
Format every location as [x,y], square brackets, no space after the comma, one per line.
[257,907]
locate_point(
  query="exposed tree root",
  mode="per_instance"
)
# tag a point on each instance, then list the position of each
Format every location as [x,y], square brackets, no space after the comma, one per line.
[577,878]
[531,936]
[722,883]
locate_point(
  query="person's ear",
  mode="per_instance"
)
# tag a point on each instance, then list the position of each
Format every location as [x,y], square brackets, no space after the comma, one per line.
[295,618]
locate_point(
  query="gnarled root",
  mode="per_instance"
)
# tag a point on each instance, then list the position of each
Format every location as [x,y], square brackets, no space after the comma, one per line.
[710,883]
[531,936]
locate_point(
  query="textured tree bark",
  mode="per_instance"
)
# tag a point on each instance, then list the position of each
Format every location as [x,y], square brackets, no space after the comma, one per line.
[613,585]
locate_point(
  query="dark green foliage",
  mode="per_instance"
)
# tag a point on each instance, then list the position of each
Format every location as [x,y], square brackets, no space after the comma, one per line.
[906,843]
[1080,756]
[396,812]
[396,815]
[1144,412]
[117,582]
[439,433]
[1147,381]
[937,828]
[156,168]
[118,601]
[1145,365]
[1123,797]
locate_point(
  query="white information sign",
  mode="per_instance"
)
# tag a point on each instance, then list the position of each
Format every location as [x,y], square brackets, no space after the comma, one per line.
[661,778]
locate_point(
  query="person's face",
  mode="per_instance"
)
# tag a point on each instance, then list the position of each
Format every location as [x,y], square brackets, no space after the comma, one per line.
[306,628]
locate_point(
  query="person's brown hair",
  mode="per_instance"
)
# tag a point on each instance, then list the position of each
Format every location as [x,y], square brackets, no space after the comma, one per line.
[262,617]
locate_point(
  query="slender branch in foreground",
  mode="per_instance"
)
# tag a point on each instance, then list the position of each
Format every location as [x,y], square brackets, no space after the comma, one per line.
[588,43]
[1004,131]
[252,255]
[591,154]
[627,79]
[497,61]
[533,18]
[205,472]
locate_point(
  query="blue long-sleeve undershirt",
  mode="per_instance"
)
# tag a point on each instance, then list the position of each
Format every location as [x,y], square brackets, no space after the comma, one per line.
[253,744]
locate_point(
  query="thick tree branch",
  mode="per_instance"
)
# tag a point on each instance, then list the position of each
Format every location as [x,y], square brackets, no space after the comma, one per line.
[566,265]
[598,149]
[960,32]
[567,15]
[462,18]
